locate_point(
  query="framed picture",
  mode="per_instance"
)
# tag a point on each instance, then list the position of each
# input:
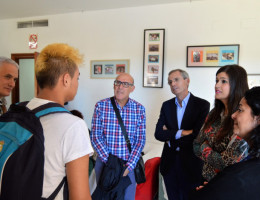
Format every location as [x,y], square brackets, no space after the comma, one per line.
[153,58]
[253,80]
[212,55]
[108,68]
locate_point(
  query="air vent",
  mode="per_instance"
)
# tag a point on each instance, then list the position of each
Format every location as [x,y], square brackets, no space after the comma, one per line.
[31,24]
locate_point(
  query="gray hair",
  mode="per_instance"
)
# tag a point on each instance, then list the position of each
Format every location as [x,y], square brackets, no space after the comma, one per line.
[184,74]
[8,60]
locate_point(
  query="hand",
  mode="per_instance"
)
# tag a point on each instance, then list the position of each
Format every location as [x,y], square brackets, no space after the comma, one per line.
[164,128]
[202,186]
[126,172]
[186,132]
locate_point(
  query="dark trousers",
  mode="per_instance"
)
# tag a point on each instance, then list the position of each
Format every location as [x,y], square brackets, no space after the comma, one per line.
[176,181]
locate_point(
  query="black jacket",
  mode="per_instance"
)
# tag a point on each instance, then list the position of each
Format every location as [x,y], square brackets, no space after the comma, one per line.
[193,119]
[112,184]
[240,181]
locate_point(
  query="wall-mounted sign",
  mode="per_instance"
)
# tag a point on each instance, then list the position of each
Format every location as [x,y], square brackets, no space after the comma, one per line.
[33,38]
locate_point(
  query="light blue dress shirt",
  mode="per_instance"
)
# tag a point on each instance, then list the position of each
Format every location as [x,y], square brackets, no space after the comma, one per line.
[180,112]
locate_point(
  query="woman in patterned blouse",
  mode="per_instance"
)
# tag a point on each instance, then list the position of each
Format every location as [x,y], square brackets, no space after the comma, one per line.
[239,181]
[216,145]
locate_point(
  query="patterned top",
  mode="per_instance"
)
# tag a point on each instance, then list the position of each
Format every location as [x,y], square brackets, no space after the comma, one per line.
[216,156]
[106,134]
[2,105]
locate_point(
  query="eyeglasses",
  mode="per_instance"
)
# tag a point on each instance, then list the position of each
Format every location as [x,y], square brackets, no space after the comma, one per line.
[124,84]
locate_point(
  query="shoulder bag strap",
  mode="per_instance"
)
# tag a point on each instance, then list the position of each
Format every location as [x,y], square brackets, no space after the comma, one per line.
[120,121]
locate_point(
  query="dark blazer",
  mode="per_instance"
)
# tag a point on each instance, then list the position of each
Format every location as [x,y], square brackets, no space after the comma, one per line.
[239,181]
[193,119]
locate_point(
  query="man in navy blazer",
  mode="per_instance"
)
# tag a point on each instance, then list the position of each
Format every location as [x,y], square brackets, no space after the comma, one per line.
[180,121]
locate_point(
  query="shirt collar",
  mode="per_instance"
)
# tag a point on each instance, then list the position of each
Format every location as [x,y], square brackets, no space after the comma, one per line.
[129,102]
[184,101]
[3,101]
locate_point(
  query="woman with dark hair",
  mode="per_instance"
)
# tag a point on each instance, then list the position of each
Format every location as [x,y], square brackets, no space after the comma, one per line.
[240,181]
[215,144]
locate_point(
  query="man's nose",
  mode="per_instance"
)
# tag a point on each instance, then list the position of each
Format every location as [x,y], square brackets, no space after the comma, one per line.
[12,83]
[173,83]
[121,85]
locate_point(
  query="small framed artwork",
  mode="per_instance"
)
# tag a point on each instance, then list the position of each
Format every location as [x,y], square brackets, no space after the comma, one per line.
[108,68]
[253,80]
[153,62]
[212,55]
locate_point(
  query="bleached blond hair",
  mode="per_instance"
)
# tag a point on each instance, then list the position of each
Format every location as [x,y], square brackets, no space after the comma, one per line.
[56,60]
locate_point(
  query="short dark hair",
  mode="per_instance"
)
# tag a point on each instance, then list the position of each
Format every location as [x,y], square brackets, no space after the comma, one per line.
[77,113]
[252,98]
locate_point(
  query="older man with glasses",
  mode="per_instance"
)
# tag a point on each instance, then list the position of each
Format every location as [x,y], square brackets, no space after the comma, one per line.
[107,136]
[8,76]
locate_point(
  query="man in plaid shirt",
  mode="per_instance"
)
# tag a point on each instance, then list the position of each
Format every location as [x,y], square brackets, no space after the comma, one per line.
[106,134]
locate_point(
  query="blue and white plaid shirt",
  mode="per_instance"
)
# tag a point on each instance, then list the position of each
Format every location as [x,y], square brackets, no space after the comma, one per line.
[106,134]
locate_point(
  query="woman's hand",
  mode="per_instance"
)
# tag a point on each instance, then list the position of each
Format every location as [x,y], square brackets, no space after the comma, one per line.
[202,186]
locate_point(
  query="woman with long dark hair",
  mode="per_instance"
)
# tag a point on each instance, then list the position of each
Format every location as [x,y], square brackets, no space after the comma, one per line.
[240,181]
[215,144]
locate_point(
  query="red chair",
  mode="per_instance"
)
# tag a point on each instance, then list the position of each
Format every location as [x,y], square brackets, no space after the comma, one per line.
[149,189]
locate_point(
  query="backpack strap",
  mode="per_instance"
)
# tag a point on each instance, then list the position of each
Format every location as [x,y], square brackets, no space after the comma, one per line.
[43,110]
[56,191]
[24,103]
[49,108]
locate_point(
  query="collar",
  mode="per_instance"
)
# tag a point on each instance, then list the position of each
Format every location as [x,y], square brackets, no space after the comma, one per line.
[184,101]
[129,102]
[3,101]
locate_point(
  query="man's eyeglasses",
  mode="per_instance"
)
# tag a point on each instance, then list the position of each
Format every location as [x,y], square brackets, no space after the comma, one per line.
[124,84]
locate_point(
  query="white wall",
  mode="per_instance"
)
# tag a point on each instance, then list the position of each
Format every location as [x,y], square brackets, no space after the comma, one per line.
[118,34]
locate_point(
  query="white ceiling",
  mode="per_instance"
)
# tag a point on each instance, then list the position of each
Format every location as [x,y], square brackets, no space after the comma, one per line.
[29,8]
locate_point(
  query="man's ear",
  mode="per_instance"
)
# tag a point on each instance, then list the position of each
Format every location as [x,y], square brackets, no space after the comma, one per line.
[132,88]
[188,81]
[66,79]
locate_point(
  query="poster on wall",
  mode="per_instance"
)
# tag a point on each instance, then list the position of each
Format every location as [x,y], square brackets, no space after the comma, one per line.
[33,41]
[212,55]
[153,58]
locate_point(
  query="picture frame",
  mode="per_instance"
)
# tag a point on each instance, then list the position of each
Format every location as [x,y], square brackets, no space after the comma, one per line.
[212,55]
[108,68]
[253,80]
[153,60]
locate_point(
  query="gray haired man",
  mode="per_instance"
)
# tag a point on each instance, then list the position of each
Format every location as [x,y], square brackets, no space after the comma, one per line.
[8,77]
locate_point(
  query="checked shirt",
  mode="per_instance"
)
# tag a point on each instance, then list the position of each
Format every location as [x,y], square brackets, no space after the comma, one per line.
[106,134]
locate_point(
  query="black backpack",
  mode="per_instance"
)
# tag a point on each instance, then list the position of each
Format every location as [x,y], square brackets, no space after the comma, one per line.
[22,152]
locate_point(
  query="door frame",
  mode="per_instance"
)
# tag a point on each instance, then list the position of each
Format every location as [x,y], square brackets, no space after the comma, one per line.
[16,57]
